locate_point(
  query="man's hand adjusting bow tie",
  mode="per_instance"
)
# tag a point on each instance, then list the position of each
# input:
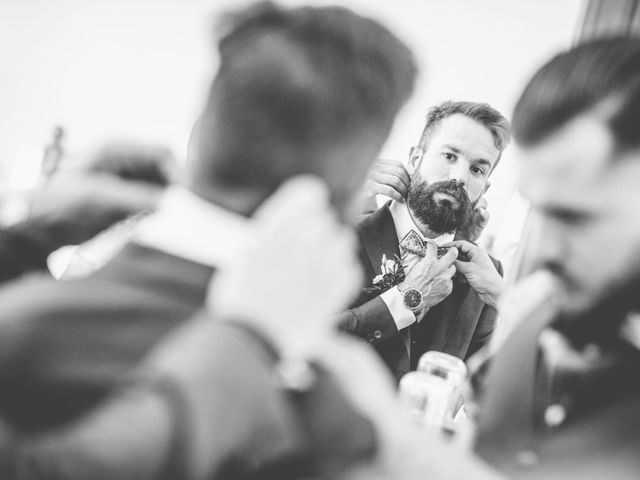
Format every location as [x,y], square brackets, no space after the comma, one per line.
[429,274]
[479,272]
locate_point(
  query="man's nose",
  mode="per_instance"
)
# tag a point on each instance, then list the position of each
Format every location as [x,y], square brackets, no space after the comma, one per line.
[459,172]
[549,246]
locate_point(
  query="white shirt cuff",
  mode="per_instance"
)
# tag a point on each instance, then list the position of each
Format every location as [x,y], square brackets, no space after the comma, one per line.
[399,311]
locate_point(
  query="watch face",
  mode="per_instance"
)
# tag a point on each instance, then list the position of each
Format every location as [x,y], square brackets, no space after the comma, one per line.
[412,298]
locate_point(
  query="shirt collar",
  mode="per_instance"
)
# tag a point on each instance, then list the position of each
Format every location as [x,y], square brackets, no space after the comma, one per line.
[404,224]
[189,227]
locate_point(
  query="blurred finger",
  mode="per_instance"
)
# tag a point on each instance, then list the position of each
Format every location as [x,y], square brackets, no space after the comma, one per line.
[389,166]
[449,287]
[462,245]
[431,254]
[462,267]
[392,181]
[398,171]
[482,217]
[451,271]
[448,258]
[389,192]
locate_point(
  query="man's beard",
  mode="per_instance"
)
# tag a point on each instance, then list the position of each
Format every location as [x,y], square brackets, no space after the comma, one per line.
[441,216]
[601,321]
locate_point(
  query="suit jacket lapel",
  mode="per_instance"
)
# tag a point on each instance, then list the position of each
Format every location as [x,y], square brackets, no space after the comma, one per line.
[455,308]
[378,235]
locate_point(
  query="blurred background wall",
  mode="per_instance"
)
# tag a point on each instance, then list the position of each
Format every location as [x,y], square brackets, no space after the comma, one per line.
[138,69]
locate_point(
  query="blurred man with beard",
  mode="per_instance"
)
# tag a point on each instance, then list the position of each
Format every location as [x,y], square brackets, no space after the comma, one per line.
[563,393]
[409,251]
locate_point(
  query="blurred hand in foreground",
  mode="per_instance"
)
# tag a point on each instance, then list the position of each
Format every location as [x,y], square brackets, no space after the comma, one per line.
[299,269]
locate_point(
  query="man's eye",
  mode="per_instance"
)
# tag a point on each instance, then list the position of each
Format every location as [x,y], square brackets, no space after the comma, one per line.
[449,156]
[477,171]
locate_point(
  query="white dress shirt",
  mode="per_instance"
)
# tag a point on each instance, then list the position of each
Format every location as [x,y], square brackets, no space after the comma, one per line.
[403,316]
[187,226]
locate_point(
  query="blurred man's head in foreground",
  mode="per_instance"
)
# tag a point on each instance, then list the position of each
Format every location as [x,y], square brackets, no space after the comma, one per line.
[301,90]
[577,125]
[460,146]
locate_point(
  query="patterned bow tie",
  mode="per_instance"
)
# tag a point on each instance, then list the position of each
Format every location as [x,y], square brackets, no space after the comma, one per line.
[413,243]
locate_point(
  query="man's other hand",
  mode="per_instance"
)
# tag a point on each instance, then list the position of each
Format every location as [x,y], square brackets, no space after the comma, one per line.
[478,222]
[479,272]
[432,276]
[390,178]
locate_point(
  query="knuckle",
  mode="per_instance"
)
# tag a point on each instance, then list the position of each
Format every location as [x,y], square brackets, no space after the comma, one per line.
[386,190]
[395,183]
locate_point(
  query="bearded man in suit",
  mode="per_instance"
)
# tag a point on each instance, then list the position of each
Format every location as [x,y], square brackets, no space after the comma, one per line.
[412,303]
[298,91]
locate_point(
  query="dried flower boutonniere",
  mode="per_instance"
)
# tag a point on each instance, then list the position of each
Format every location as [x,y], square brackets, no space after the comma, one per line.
[391,275]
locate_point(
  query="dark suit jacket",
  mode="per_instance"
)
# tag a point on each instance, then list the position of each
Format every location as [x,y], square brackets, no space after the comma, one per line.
[24,247]
[599,435]
[66,346]
[223,424]
[459,325]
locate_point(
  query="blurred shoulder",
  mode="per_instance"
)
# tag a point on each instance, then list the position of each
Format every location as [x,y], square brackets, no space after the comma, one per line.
[38,299]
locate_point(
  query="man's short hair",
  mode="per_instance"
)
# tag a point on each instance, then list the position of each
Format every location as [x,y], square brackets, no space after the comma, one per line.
[601,75]
[294,84]
[483,113]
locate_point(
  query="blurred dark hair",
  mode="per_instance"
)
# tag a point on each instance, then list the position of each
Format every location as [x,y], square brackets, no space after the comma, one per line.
[599,75]
[293,85]
[483,113]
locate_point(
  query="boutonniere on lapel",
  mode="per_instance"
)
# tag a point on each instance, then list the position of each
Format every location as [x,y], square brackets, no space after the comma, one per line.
[391,275]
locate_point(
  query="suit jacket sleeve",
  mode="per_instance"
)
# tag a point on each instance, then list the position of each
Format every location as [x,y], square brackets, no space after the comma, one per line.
[371,321]
[486,323]
[129,438]
[23,248]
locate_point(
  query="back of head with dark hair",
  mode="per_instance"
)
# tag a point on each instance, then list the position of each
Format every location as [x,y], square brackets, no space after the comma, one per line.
[602,75]
[293,87]
[483,113]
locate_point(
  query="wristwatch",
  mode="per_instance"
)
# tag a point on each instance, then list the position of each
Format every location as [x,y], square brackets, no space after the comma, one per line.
[412,298]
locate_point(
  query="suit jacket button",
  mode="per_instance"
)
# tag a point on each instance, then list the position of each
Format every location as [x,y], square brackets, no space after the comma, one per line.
[528,458]
[377,334]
